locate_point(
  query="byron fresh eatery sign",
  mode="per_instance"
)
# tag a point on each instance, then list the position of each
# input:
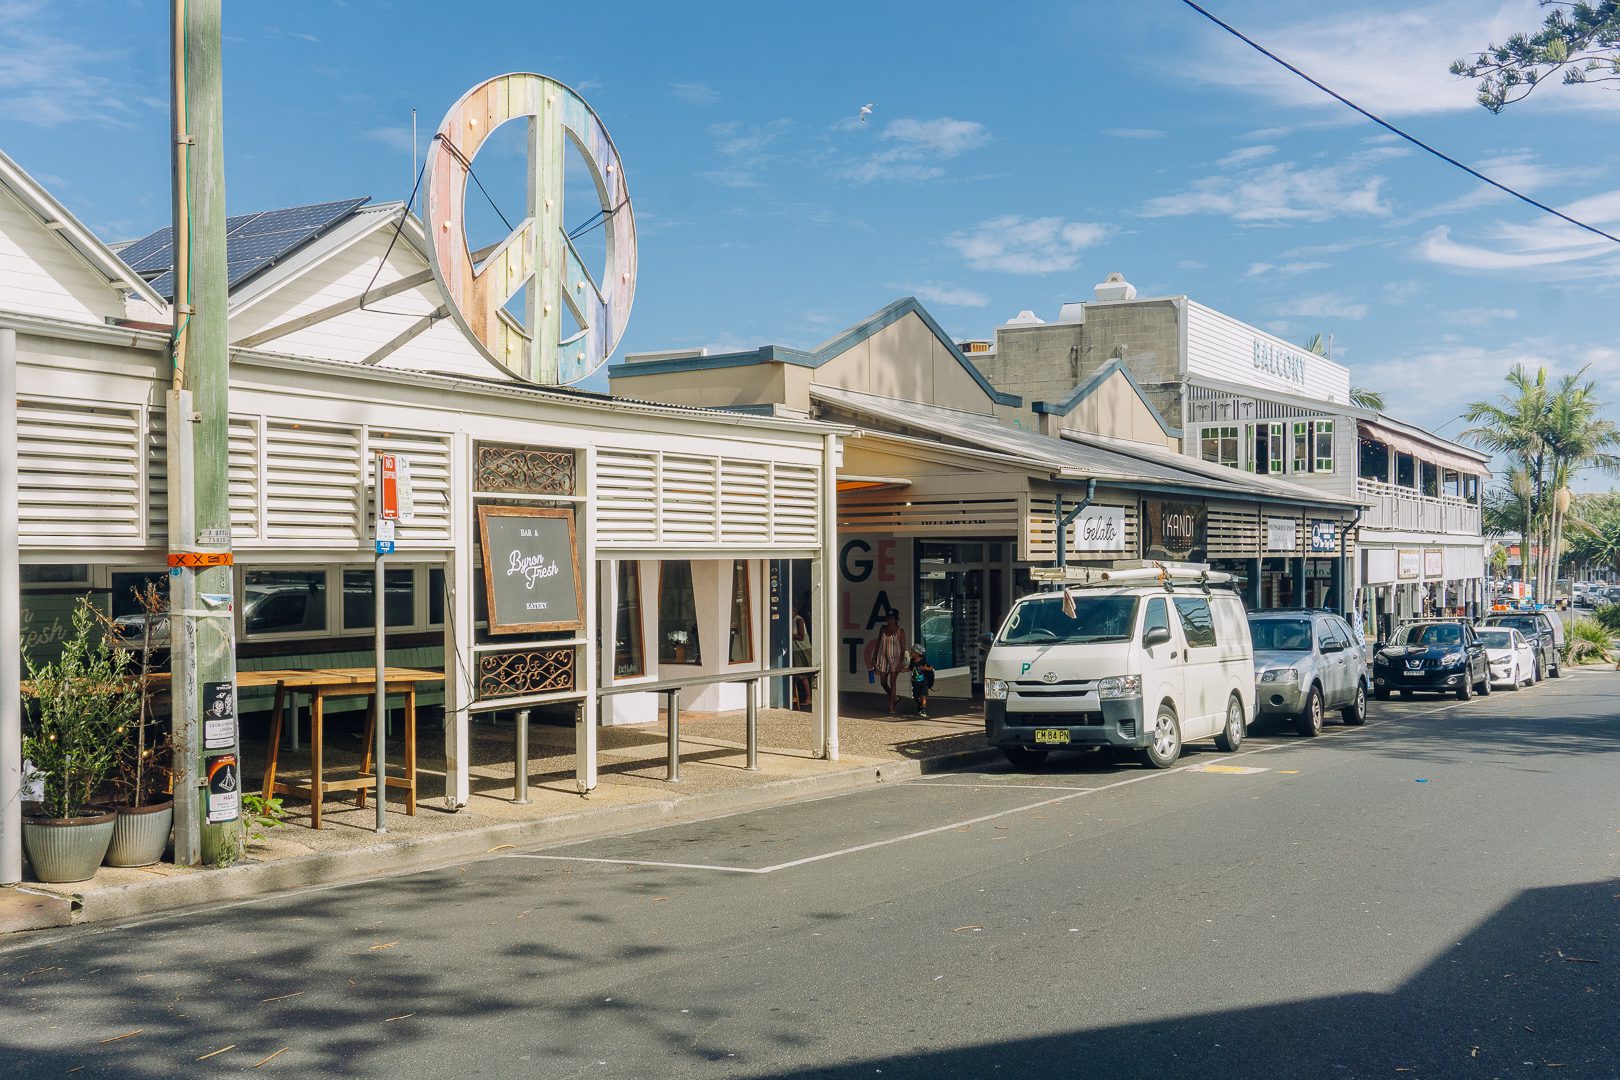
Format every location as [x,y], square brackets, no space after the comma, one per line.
[531,575]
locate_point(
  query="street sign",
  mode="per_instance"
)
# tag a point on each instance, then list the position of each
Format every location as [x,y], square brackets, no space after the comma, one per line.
[395,499]
[385,547]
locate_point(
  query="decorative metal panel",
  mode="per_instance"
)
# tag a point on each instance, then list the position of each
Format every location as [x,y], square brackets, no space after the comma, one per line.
[524,672]
[522,470]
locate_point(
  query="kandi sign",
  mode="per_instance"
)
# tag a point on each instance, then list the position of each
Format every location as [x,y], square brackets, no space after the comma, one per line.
[1174,530]
[531,578]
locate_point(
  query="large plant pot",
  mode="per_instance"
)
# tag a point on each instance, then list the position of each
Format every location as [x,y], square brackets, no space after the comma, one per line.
[67,849]
[140,834]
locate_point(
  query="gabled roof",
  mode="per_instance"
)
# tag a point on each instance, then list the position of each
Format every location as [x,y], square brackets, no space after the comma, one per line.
[252,242]
[1115,462]
[1092,385]
[364,221]
[58,219]
[834,346]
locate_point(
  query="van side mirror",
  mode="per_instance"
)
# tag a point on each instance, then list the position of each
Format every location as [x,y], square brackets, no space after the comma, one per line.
[1158,635]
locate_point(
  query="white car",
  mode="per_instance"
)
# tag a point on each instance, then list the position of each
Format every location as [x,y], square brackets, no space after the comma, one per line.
[1512,658]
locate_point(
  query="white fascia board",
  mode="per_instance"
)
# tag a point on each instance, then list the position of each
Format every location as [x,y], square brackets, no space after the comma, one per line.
[86,244]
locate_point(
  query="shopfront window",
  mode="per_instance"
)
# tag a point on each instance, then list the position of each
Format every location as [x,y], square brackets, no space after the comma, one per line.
[628,660]
[1220,445]
[359,598]
[54,574]
[677,615]
[742,617]
[1431,480]
[283,602]
[1405,471]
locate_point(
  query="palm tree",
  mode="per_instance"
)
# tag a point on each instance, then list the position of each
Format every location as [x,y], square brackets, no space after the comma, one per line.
[1576,439]
[1511,427]
[1360,396]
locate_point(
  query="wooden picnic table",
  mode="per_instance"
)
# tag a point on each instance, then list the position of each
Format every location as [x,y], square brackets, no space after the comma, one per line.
[321,684]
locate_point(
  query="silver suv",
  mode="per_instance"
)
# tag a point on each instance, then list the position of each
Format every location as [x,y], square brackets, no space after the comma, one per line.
[1305,663]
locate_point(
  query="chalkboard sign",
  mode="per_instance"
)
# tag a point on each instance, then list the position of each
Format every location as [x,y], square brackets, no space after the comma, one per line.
[531,578]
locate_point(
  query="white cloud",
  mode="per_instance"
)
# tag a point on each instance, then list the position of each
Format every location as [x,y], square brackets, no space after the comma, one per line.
[1392,62]
[1246,154]
[933,292]
[1259,268]
[744,150]
[1561,250]
[48,78]
[1278,192]
[1135,133]
[915,149]
[1478,316]
[695,93]
[1323,306]
[1014,244]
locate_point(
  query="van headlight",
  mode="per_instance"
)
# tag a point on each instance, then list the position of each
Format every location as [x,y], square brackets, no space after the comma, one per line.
[1286,674]
[1120,686]
[995,689]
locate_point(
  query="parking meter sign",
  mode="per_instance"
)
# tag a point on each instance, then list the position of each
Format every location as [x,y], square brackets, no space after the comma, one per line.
[395,499]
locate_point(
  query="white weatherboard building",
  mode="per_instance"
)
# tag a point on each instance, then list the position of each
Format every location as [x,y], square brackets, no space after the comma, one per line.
[1248,400]
[683,516]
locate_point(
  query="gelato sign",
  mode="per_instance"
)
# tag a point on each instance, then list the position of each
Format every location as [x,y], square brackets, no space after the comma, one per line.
[531,577]
[1100,528]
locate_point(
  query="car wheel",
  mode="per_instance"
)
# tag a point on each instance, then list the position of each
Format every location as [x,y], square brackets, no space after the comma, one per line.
[1022,757]
[1355,713]
[1231,736]
[1557,669]
[1309,721]
[1535,678]
[1465,692]
[1516,679]
[1165,748]
[1485,682]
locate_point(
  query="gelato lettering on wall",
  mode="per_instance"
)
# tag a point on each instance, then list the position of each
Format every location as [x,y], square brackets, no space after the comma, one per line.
[1100,528]
[874,578]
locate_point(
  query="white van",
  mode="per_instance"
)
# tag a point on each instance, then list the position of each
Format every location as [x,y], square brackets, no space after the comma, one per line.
[1150,659]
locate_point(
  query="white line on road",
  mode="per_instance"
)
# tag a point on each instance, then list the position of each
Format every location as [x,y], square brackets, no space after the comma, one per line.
[1021,787]
[641,862]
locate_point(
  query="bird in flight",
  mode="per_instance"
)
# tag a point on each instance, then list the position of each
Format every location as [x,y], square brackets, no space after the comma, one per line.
[866,110]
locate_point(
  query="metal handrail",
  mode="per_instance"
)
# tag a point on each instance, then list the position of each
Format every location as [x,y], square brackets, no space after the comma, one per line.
[671,688]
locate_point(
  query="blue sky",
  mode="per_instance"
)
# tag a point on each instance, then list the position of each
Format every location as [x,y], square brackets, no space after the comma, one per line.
[1012,160]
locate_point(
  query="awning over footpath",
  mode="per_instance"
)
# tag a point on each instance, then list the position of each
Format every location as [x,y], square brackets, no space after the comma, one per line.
[1407,444]
[1078,458]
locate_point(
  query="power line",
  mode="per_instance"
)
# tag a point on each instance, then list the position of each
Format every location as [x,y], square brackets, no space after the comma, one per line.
[1381,122]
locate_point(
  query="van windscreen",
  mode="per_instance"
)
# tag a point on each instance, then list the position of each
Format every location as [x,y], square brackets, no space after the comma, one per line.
[1040,620]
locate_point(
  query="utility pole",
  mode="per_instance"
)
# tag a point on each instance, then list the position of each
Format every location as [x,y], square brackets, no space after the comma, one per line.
[202,635]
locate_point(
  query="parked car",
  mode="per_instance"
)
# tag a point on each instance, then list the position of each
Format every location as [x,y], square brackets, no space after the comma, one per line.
[1512,657]
[1305,663]
[1130,662]
[1436,655]
[1544,631]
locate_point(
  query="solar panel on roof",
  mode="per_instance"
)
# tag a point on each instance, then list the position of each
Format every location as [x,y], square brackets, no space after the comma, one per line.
[252,242]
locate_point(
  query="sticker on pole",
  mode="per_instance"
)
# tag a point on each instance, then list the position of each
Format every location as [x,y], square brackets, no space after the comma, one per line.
[219,716]
[224,789]
[395,499]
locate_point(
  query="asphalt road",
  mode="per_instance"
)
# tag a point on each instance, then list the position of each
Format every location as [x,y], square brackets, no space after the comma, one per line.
[1432,895]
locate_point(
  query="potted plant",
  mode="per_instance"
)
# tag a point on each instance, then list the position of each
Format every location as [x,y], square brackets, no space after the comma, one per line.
[85,705]
[141,781]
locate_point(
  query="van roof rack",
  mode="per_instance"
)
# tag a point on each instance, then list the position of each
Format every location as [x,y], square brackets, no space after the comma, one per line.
[1133,572]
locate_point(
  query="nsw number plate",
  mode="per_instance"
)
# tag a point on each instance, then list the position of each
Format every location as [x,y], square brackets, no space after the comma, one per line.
[1051,735]
[1413,673]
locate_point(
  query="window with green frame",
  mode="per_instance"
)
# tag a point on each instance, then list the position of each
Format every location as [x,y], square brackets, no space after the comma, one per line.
[1313,446]
[1220,445]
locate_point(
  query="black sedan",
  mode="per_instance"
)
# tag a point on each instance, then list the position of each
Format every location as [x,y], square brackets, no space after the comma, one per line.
[1443,656]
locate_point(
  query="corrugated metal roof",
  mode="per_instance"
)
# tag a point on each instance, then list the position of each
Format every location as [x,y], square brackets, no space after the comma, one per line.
[1092,458]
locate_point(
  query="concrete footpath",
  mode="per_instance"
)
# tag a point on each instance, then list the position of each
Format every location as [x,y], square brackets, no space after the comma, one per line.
[631,795]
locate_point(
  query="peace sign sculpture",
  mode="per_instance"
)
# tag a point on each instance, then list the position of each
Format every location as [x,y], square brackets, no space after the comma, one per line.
[538,252]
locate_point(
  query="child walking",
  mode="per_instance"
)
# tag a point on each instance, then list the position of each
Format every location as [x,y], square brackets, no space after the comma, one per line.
[922,679]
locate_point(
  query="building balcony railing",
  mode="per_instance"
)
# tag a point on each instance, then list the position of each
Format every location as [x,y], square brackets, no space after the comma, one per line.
[1395,507]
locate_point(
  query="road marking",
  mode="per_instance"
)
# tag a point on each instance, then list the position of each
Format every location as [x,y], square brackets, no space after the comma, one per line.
[642,862]
[994,787]
[1228,770]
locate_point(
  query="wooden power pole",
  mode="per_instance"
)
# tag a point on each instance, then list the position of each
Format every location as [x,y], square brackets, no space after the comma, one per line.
[208,779]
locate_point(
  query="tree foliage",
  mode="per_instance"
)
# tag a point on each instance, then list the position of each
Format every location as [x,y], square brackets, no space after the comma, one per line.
[1580,41]
[1360,396]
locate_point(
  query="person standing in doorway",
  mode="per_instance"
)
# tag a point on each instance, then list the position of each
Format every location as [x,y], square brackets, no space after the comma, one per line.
[801,658]
[886,656]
